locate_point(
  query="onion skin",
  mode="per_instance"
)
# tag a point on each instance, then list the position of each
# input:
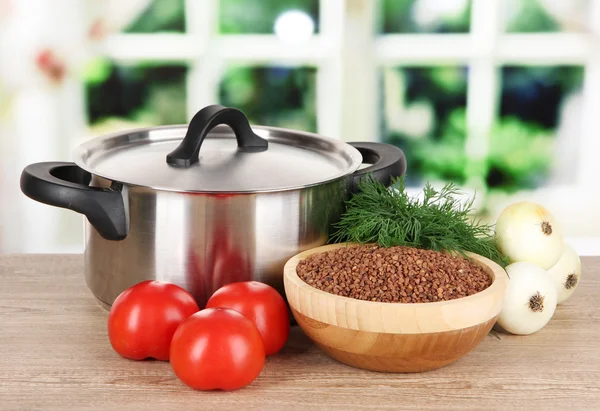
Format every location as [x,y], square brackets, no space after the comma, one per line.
[526,231]
[526,281]
[569,264]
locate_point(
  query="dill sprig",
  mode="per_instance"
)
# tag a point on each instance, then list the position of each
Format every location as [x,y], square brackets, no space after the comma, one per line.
[390,217]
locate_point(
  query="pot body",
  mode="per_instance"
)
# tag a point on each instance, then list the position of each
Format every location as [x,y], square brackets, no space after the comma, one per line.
[220,205]
[202,241]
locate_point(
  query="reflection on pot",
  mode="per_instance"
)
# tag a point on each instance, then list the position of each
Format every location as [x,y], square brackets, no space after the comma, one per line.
[230,263]
[195,278]
[202,241]
[221,251]
[325,207]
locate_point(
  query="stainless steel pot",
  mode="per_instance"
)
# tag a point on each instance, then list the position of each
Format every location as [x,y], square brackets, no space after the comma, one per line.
[220,205]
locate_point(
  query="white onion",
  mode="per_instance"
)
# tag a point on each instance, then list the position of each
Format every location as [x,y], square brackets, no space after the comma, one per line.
[526,231]
[530,299]
[566,273]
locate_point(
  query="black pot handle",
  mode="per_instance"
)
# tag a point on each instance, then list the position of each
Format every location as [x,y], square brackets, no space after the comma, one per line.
[205,120]
[387,162]
[66,185]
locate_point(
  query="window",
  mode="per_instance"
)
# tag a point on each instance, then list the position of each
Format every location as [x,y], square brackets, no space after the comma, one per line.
[277,96]
[424,114]
[500,96]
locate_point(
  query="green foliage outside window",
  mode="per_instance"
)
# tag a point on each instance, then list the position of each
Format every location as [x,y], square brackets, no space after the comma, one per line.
[521,140]
[528,16]
[397,16]
[519,155]
[274,96]
[161,15]
[258,16]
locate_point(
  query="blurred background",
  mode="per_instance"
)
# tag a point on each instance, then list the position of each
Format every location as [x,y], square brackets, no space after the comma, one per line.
[501,97]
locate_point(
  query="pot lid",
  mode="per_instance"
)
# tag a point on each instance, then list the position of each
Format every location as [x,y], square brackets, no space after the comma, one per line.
[218,152]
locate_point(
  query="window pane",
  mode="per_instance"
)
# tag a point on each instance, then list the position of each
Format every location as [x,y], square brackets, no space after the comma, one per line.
[143,94]
[273,96]
[160,15]
[424,16]
[535,137]
[523,16]
[424,114]
[259,16]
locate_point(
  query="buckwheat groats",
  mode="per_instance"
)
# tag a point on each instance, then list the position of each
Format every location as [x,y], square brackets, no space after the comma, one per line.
[395,274]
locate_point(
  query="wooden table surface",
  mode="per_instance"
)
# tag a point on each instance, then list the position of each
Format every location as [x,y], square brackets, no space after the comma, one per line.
[55,355]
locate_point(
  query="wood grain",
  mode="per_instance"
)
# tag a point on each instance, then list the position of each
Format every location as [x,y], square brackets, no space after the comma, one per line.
[394,318]
[394,337]
[386,352]
[55,356]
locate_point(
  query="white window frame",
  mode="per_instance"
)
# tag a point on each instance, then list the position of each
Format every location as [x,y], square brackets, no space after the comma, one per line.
[347,55]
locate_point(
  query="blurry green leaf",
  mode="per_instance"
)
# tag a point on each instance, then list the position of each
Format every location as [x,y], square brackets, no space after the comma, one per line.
[258,16]
[456,124]
[239,85]
[96,70]
[521,151]
[520,154]
[459,23]
[442,159]
[160,16]
[168,102]
[275,96]
[528,16]
[396,16]
[449,79]
[476,168]
[148,93]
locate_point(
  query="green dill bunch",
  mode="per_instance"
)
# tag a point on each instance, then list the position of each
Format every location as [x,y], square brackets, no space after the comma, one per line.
[390,217]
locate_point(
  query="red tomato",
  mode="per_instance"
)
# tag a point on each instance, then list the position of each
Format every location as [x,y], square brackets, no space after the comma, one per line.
[143,319]
[217,348]
[260,303]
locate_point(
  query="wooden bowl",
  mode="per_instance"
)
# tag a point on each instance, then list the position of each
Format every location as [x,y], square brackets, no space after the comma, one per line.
[394,337]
